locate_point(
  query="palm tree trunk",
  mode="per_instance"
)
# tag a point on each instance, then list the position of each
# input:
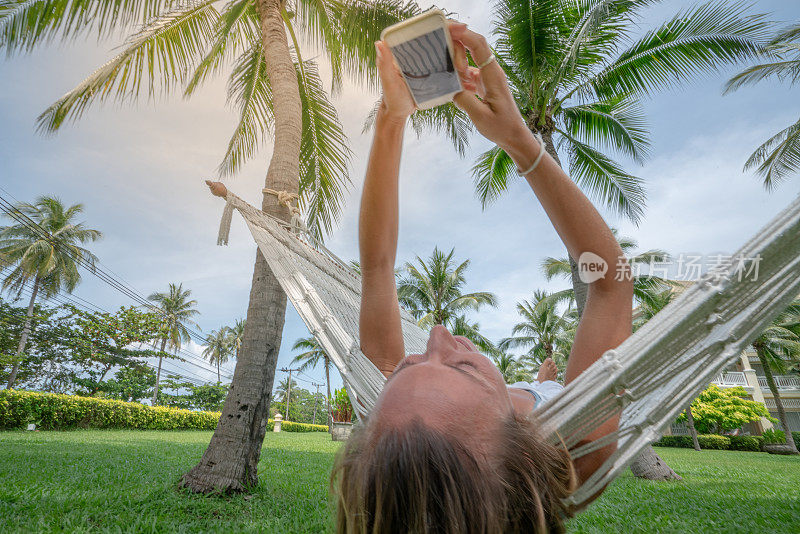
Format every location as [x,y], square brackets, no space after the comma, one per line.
[229,463]
[218,380]
[775,395]
[647,464]
[328,387]
[158,373]
[23,339]
[692,429]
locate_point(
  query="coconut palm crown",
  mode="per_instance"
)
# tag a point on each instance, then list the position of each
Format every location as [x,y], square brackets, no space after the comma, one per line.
[431,290]
[218,348]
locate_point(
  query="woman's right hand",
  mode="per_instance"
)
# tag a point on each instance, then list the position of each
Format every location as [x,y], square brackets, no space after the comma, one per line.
[495,113]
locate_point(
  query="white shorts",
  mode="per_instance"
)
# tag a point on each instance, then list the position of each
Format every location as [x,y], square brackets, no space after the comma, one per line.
[543,391]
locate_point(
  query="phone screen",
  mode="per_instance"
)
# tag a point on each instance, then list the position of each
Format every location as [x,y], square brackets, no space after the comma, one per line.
[427,66]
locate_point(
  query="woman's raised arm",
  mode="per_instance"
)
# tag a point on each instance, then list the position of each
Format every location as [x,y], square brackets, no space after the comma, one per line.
[379,321]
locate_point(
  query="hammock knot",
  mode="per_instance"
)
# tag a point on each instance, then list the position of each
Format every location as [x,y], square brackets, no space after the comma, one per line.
[611,358]
[287,199]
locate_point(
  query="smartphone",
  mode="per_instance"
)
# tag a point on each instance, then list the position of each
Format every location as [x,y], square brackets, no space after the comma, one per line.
[423,50]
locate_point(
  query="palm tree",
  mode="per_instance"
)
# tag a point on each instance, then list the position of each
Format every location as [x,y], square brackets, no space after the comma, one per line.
[579,77]
[236,336]
[177,311]
[431,291]
[780,155]
[218,348]
[43,247]
[778,348]
[276,91]
[313,355]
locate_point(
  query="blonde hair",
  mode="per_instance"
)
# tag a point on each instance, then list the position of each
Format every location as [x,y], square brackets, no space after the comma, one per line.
[416,479]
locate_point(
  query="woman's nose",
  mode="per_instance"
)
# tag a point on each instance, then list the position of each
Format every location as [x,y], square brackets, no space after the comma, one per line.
[440,338]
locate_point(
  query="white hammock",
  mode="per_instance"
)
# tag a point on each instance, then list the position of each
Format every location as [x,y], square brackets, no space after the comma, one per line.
[652,375]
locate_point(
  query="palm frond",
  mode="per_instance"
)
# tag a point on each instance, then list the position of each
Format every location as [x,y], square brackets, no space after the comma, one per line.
[491,173]
[160,56]
[324,154]
[449,120]
[604,179]
[778,157]
[696,42]
[236,28]
[617,123]
[27,23]
[251,93]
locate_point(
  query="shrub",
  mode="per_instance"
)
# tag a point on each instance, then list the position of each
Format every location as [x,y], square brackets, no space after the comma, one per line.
[713,441]
[796,438]
[50,411]
[707,441]
[747,443]
[291,426]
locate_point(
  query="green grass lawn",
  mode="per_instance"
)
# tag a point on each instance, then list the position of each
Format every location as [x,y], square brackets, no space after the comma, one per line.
[125,481]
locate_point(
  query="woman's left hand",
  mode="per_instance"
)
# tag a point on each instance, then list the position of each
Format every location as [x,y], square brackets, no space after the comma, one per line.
[397,102]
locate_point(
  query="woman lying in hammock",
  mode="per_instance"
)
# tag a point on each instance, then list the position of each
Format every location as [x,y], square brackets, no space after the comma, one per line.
[449,447]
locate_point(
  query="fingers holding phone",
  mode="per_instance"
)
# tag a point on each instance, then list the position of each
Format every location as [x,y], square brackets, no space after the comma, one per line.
[397,101]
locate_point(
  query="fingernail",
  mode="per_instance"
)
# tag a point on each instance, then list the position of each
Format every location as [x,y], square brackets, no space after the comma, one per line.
[377,49]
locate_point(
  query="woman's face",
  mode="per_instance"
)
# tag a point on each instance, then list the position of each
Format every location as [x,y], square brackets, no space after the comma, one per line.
[451,388]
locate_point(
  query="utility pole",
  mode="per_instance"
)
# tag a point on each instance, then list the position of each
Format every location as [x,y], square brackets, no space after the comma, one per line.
[288,390]
[316,399]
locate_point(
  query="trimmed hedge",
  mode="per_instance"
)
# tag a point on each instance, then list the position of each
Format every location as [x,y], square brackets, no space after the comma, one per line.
[50,411]
[707,441]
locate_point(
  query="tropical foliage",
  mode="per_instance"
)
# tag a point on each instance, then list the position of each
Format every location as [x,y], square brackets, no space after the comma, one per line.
[218,348]
[779,156]
[717,410]
[312,356]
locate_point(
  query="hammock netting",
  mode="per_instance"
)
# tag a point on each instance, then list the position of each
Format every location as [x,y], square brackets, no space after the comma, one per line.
[650,378]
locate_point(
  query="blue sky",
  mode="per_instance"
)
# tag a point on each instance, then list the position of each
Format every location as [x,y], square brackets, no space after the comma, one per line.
[139,170]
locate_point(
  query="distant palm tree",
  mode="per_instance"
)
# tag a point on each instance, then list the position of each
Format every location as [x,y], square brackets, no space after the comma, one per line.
[431,290]
[314,355]
[778,348]
[236,335]
[511,369]
[43,247]
[218,348]
[780,155]
[284,391]
[177,310]
[539,328]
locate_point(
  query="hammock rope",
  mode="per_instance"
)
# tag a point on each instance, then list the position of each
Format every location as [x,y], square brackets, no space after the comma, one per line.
[649,378]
